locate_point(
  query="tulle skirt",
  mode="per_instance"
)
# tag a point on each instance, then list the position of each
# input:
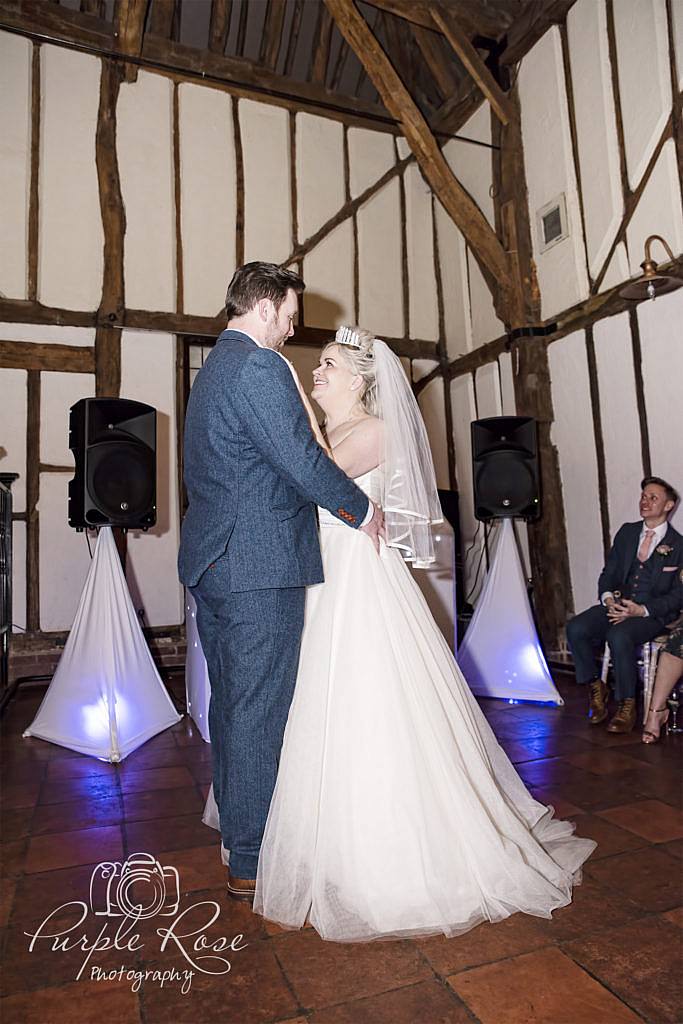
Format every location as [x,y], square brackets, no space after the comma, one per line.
[396,812]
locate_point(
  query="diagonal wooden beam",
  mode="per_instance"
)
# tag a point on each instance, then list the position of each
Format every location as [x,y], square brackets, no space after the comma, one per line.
[458,108]
[219,25]
[272,33]
[454,198]
[474,65]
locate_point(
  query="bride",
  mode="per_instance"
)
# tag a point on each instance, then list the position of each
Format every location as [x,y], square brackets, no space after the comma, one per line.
[395,812]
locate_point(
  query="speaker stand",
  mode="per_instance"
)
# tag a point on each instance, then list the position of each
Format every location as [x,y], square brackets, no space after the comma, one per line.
[106,697]
[501,655]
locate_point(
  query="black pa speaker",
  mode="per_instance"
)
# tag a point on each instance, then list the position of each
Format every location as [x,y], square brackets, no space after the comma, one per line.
[505,468]
[113,441]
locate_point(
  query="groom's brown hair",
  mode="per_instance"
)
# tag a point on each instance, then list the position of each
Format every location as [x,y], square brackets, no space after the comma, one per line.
[256,281]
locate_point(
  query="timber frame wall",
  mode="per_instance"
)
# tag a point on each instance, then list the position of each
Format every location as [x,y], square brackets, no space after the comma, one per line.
[505,257]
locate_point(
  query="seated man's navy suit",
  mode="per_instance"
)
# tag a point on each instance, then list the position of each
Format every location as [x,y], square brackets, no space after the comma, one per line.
[249,547]
[653,583]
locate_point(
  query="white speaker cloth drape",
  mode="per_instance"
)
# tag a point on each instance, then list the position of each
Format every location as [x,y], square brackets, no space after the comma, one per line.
[106,697]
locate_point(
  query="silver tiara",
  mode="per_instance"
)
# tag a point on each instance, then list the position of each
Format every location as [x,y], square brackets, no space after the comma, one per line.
[345,336]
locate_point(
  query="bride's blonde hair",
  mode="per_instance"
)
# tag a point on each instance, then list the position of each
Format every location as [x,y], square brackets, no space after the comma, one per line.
[361,361]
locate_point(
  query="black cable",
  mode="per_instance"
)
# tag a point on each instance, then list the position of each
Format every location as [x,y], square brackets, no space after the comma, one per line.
[88,541]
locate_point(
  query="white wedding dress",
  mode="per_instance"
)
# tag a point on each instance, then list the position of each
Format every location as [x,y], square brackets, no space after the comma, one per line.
[396,812]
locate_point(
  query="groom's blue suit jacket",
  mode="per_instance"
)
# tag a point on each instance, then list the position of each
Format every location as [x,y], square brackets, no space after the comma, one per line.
[254,473]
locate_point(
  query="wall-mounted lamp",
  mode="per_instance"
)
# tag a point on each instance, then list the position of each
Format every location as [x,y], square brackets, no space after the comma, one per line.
[650,283]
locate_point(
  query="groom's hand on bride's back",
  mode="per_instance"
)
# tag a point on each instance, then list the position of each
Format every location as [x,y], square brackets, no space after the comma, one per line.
[375,528]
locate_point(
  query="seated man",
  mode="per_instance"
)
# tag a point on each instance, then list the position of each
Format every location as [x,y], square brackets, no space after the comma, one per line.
[639,594]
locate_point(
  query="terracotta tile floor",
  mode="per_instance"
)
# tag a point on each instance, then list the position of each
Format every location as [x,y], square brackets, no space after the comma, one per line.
[612,956]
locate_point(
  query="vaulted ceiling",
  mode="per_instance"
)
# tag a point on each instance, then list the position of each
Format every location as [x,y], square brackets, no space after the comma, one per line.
[294,47]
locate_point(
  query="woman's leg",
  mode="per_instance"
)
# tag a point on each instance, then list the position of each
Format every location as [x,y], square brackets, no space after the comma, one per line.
[669,669]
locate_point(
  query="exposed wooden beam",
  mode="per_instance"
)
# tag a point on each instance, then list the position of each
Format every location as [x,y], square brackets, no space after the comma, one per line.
[272,33]
[30,355]
[107,338]
[442,72]
[173,58]
[293,36]
[242,28]
[34,190]
[350,207]
[476,17]
[129,23]
[161,18]
[242,74]
[33,404]
[534,21]
[472,62]
[219,25]
[458,108]
[454,198]
[321,46]
[22,311]
[96,7]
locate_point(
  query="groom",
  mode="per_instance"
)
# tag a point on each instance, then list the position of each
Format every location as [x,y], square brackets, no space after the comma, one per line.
[249,544]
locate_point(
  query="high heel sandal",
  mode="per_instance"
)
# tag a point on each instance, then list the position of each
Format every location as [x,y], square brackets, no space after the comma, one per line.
[654,737]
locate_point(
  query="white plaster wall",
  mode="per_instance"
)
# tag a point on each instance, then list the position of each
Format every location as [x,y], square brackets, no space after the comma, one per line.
[487,387]
[677,12]
[13,432]
[267,210]
[572,433]
[145,151]
[380,288]
[432,406]
[207,197]
[454,278]
[619,418]
[45,333]
[424,316]
[562,276]
[18,576]
[70,236]
[462,402]
[148,375]
[319,171]
[64,560]
[328,273]
[58,392]
[596,127]
[419,368]
[618,269]
[15,160]
[485,324]
[471,164]
[507,384]
[661,340]
[371,154]
[658,212]
[644,78]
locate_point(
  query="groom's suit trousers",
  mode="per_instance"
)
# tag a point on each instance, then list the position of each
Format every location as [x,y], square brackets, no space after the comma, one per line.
[251,643]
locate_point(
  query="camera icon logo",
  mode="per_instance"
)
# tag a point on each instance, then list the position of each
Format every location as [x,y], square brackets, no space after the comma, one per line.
[138,888]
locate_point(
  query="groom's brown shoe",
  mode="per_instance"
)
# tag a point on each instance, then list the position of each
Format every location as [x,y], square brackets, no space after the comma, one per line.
[241,889]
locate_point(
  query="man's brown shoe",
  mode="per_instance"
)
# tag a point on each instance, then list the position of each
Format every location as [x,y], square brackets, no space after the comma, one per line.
[241,889]
[597,702]
[625,718]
